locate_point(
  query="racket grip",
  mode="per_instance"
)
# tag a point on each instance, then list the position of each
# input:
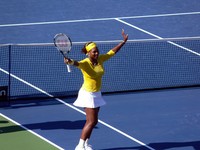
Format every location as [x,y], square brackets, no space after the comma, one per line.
[68,68]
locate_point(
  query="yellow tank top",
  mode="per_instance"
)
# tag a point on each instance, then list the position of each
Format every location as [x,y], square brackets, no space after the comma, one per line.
[92,75]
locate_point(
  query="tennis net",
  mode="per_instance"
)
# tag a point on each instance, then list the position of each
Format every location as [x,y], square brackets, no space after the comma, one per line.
[33,70]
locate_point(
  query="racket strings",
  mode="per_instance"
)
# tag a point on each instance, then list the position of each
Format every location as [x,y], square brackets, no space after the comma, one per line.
[63,43]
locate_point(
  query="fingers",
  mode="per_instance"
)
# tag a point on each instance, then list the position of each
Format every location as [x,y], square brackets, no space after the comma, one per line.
[69,61]
[125,36]
[66,60]
[122,31]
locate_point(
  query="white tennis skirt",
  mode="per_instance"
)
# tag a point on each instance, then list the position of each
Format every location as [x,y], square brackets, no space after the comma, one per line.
[89,99]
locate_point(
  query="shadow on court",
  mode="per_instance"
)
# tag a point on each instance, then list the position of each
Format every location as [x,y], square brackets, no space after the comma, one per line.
[162,146]
[66,125]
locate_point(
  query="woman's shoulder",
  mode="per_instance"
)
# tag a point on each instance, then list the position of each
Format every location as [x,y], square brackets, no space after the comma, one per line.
[84,60]
[107,55]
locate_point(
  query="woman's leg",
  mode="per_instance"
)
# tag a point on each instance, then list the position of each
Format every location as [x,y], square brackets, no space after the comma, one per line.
[91,121]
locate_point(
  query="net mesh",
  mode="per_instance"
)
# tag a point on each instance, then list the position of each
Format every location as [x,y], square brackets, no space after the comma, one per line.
[143,65]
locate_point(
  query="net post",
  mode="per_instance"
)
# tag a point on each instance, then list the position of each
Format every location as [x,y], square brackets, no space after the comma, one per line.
[5,87]
[9,78]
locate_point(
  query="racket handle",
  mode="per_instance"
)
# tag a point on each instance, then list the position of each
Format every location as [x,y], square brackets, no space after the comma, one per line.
[68,68]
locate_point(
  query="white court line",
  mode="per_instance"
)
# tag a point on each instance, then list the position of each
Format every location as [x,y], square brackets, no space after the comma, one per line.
[156,36]
[71,106]
[60,148]
[98,19]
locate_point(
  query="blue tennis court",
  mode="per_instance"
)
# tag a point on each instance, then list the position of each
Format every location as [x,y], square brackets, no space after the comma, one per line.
[138,115]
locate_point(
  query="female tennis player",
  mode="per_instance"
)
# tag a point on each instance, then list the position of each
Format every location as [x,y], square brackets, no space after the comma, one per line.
[89,96]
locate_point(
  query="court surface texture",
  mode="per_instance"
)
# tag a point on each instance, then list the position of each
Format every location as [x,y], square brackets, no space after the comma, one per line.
[166,119]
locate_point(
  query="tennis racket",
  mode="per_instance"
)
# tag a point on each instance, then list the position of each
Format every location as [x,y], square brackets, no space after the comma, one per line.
[63,44]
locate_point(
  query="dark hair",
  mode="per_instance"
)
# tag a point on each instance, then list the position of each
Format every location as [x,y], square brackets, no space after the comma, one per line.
[84,49]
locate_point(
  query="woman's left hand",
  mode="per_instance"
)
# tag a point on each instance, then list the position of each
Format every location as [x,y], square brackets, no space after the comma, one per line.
[125,36]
